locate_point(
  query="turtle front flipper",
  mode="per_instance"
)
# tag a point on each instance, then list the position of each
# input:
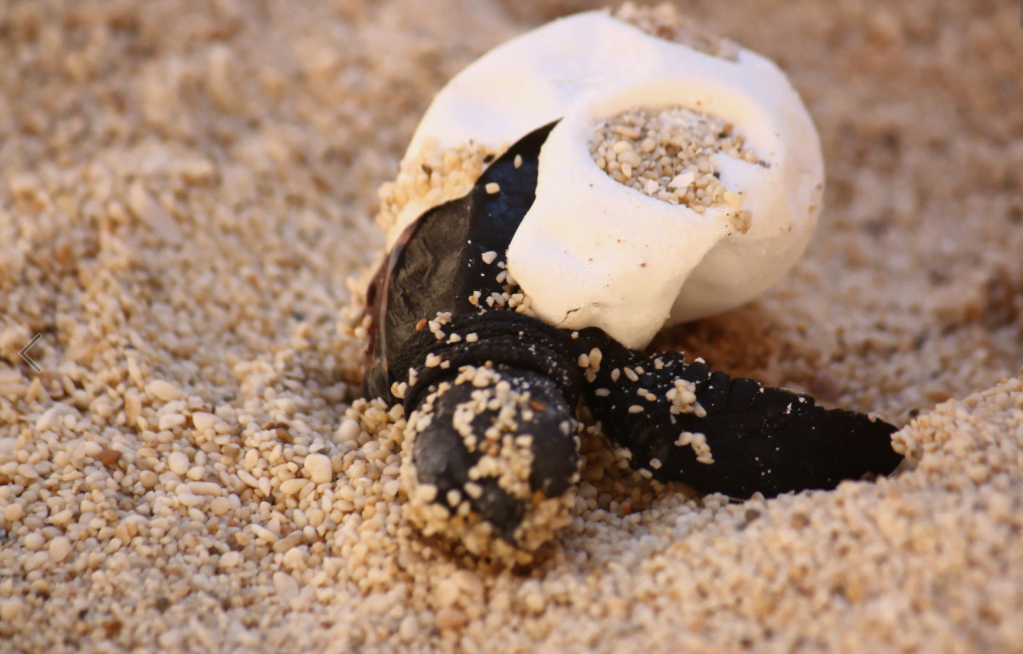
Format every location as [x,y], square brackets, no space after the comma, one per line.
[682,422]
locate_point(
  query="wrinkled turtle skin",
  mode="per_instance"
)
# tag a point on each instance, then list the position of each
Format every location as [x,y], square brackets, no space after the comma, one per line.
[680,421]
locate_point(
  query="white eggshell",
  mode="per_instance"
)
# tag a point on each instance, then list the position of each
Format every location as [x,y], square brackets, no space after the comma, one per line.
[593,252]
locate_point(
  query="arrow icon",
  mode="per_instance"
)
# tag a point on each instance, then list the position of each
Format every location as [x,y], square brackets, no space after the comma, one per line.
[24,353]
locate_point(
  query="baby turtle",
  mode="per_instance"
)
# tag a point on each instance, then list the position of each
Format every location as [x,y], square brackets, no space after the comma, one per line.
[493,394]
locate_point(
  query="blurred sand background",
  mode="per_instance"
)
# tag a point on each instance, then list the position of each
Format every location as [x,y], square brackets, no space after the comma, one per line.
[186,189]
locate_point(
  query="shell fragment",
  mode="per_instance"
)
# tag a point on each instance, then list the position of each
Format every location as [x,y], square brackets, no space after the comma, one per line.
[594,252]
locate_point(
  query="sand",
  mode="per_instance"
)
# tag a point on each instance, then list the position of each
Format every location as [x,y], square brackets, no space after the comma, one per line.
[186,190]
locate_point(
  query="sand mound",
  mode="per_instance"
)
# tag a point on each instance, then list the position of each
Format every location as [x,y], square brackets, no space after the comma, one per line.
[185,189]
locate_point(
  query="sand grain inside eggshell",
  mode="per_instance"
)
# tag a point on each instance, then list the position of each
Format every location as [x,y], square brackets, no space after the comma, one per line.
[669,154]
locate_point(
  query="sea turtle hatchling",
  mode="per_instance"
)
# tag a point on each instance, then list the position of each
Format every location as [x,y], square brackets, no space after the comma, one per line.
[504,317]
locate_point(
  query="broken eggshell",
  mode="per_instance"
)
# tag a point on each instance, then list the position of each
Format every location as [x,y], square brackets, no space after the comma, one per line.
[594,253]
